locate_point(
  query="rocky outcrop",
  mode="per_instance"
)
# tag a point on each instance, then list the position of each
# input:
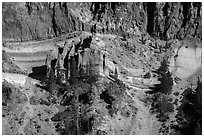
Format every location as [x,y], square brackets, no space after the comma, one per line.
[84,60]
[186,59]
[9,66]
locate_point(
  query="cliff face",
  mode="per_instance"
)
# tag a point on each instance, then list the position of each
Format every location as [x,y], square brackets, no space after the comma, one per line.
[102,68]
[37,21]
[178,20]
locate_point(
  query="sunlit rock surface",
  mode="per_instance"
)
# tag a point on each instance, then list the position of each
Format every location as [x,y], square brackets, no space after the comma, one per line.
[186,60]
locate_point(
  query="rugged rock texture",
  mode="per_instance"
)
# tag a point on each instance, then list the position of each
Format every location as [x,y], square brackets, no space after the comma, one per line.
[24,111]
[35,21]
[178,20]
[102,68]
[8,65]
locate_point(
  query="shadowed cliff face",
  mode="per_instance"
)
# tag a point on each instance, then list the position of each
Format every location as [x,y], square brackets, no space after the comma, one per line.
[37,21]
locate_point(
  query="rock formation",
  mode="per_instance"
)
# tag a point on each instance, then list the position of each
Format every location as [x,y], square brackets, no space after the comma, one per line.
[101,68]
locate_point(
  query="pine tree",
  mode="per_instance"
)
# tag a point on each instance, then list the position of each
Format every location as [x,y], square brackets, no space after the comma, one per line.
[165,78]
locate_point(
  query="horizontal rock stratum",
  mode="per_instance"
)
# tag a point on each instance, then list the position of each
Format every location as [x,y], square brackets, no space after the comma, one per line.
[33,53]
[186,60]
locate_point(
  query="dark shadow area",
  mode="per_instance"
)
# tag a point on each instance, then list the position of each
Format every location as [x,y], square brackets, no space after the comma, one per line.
[97,8]
[186,7]
[113,6]
[53,62]
[198,5]
[66,61]
[60,50]
[151,6]
[86,42]
[66,64]
[86,125]
[189,116]
[84,98]
[104,58]
[38,73]
[107,99]
[165,9]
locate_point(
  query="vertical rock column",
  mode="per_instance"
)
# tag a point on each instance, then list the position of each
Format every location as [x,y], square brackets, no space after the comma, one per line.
[89,62]
[102,63]
[79,65]
[59,67]
[48,64]
[71,54]
[95,61]
[85,61]
[65,52]
[105,63]
[101,71]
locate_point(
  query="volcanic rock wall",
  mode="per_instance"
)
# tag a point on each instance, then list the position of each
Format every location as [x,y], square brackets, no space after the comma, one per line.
[178,20]
[37,21]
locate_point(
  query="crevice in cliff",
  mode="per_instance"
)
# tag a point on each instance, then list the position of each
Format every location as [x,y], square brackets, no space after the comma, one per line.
[64,5]
[113,6]
[66,62]
[97,9]
[151,6]
[54,25]
[29,7]
[198,5]
[186,7]
[165,9]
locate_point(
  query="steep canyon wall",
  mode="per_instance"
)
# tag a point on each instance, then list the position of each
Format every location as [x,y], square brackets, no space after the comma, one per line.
[38,21]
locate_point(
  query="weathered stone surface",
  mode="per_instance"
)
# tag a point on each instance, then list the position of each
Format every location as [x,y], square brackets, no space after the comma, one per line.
[178,20]
[187,59]
[25,110]
[37,21]
[110,75]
